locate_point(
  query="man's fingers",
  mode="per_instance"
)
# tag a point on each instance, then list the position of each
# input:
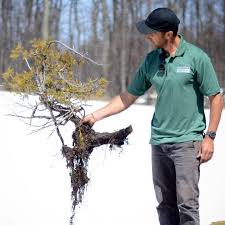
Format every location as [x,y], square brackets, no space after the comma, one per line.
[206,156]
[88,120]
[207,149]
[199,153]
[82,121]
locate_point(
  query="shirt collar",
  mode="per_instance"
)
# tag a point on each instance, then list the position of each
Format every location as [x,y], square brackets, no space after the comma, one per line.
[181,47]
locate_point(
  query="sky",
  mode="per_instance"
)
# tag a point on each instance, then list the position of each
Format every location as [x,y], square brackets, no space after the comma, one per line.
[35,183]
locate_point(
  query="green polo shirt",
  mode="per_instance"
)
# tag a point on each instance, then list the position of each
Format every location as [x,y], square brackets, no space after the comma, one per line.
[181,86]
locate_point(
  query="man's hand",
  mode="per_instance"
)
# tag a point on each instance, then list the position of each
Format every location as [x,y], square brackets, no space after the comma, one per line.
[207,149]
[116,105]
[89,119]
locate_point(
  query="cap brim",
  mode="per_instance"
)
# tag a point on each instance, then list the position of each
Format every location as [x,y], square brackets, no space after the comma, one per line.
[143,28]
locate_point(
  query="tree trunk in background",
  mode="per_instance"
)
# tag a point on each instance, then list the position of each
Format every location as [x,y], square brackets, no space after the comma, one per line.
[38,18]
[209,29]
[183,5]
[198,19]
[94,35]
[149,5]
[77,25]
[124,30]
[29,14]
[114,87]
[45,31]
[54,18]
[173,4]
[223,6]
[6,8]
[118,45]
[115,4]
[132,43]
[71,30]
[106,43]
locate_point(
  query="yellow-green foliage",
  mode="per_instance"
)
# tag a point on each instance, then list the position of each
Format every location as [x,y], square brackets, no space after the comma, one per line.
[218,223]
[54,69]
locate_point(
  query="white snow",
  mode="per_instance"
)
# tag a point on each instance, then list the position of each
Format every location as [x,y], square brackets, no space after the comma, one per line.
[35,185]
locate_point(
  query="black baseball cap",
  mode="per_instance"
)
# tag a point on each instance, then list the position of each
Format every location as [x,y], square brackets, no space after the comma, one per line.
[161,20]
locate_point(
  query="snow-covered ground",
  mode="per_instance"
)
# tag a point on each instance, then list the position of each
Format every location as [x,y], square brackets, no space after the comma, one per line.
[35,185]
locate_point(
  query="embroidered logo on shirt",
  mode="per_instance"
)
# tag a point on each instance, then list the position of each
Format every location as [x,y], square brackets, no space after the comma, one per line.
[183,69]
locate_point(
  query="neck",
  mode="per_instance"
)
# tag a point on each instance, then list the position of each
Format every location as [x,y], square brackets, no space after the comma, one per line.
[172,45]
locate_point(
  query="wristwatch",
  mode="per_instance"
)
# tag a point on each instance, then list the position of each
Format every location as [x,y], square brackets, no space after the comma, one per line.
[211,134]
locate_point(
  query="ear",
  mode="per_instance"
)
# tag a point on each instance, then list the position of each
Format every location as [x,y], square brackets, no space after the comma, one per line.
[169,34]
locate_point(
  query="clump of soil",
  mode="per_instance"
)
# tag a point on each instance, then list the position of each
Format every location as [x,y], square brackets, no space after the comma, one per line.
[85,139]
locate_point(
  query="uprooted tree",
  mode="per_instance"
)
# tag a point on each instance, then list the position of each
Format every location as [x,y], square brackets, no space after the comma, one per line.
[49,74]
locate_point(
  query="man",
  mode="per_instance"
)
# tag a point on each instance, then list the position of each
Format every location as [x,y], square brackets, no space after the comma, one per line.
[182,75]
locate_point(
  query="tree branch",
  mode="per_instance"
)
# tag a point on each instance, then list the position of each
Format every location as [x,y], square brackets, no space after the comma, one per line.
[76,52]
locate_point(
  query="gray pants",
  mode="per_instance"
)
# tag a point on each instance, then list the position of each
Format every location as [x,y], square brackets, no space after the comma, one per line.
[175,170]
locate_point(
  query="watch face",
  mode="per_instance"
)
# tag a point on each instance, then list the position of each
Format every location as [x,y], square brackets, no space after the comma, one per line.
[211,134]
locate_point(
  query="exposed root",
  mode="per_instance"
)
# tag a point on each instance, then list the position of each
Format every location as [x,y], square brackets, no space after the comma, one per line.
[85,140]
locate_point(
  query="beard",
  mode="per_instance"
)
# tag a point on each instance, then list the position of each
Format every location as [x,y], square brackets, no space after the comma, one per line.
[160,43]
[155,45]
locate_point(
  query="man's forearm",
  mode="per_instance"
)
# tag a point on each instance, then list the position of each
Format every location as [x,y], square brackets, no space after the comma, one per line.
[216,107]
[116,105]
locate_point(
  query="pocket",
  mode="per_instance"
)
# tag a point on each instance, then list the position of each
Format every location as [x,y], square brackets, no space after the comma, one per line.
[197,147]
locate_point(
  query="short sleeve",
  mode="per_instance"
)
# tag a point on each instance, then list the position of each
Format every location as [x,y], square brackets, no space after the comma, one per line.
[140,84]
[206,76]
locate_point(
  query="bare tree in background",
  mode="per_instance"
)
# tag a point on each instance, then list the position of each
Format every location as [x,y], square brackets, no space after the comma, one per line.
[173,4]
[55,10]
[124,30]
[71,30]
[183,6]
[106,41]
[198,20]
[45,28]
[223,7]
[77,24]
[6,21]
[106,30]
[29,16]
[38,15]
[94,21]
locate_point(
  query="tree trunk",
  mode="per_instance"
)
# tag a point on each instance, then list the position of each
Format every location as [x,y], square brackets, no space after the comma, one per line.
[223,2]
[77,24]
[199,24]
[124,31]
[45,31]
[114,88]
[184,14]
[71,31]
[38,15]
[28,10]
[6,9]
[55,7]
[94,16]
[106,44]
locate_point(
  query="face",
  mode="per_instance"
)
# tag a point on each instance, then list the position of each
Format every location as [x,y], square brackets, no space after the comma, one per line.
[158,39]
